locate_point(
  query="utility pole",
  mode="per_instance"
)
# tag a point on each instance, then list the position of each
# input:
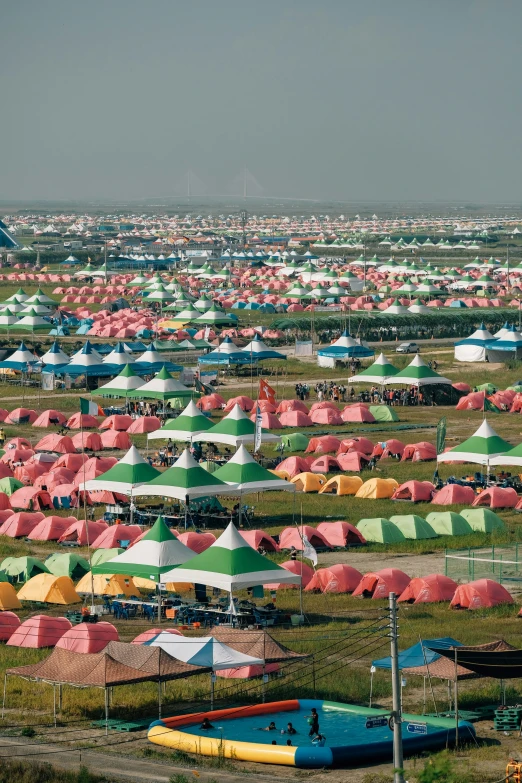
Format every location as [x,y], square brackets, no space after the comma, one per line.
[396,691]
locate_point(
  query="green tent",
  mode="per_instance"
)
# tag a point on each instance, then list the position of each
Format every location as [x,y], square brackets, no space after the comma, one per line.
[413,527]
[296,441]
[100,556]
[9,485]
[67,564]
[20,569]
[383,413]
[482,520]
[449,523]
[489,388]
[163,387]
[185,479]
[380,531]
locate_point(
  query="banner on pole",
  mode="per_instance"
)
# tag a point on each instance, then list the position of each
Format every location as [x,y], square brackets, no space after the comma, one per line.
[441,435]
[257,437]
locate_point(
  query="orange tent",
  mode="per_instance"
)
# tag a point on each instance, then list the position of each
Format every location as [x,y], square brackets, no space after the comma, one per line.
[341,485]
[82,421]
[309,482]
[295,567]
[49,418]
[379,584]
[377,488]
[480,594]
[340,578]
[429,589]
[340,534]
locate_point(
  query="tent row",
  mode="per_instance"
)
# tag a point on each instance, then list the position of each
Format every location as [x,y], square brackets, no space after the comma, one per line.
[401,527]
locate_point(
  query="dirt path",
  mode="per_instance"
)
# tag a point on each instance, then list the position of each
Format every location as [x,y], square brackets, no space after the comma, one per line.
[412,564]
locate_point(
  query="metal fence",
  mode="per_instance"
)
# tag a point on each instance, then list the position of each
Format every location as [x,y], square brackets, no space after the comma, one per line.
[501,563]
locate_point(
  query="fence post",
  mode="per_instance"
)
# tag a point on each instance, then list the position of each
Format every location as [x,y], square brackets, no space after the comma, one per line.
[493,557]
[473,566]
[445,562]
[500,570]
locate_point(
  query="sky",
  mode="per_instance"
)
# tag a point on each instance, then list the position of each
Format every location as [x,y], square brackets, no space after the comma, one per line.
[319,99]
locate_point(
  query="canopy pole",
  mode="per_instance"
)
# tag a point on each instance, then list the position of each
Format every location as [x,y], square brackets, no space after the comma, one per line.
[372,672]
[54,704]
[263,683]
[159,698]
[60,697]
[186,510]
[456,703]
[212,676]
[159,601]
[106,711]
[5,693]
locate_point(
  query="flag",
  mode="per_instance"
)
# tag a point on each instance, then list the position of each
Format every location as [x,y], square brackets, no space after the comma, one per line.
[309,551]
[266,392]
[86,406]
[441,435]
[204,388]
[257,438]
[489,406]
[206,333]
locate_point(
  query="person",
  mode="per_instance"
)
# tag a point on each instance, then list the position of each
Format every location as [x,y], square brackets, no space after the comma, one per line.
[274,742]
[319,741]
[271,727]
[289,742]
[290,729]
[293,553]
[206,725]
[2,437]
[313,720]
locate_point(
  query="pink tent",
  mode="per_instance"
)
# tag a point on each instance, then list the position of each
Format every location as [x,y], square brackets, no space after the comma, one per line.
[471,402]
[326,416]
[294,465]
[340,534]
[9,622]
[480,594]
[88,637]
[18,443]
[265,406]
[245,403]
[82,420]
[340,578]
[94,466]
[258,538]
[380,584]
[150,633]
[5,514]
[295,419]
[22,416]
[355,444]
[65,495]
[325,464]
[453,495]
[464,387]
[392,447]
[354,461]
[5,503]
[417,491]
[50,528]
[295,567]
[116,422]
[324,405]
[497,497]
[61,444]
[291,537]
[114,536]
[198,542]
[87,440]
[16,455]
[20,524]
[54,478]
[77,531]
[247,672]
[31,498]
[285,406]
[269,421]
[322,445]
[72,461]
[5,471]
[357,413]
[429,589]
[39,631]
[115,440]
[419,452]
[50,418]
[144,424]
[211,402]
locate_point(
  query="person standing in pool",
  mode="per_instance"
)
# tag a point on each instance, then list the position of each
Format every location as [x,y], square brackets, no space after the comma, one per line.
[206,725]
[313,720]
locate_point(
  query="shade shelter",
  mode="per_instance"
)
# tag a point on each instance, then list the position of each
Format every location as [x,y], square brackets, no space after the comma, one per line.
[247,475]
[54,356]
[345,348]
[473,348]
[235,429]
[480,448]
[417,373]
[163,387]
[21,359]
[189,423]
[226,353]
[258,350]
[378,372]
[122,385]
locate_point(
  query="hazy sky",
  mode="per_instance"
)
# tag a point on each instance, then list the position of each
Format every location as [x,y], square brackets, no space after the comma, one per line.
[330,99]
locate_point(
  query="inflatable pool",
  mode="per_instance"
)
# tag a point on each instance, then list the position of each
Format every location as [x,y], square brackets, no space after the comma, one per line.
[353,734]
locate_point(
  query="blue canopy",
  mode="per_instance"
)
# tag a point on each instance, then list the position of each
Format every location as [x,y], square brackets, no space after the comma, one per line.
[416,655]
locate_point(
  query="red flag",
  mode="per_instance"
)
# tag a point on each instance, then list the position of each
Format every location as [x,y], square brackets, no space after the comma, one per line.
[266,392]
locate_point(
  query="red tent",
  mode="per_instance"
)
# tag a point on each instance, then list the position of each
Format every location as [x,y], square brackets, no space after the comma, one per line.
[244,402]
[463,387]
[471,402]
[115,534]
[269,421]
[82,421]
[295,419]
[72,461]
[5,503]
[94,466]
[391,448]
[149,634]
[5,471]
[16,455]
[39,631]
[324,405]
[322,445]
[285,406]
[88,637]
[357,413]
[503,399]
[417,491]
[5,514]
[20,524]
[454,495]
[340,534]
[294,465]
[265,406]
[49,419]
[295,567]
[31,498]
[325,464]
[257,538]
[480,594]
[380,584]
[115,440]
[516,405]
[340,578]
[355,444]
[429,589]
[87,440]
[211,402]
[65,495]
[50,528]
[21,416]
[326,416]
[77,531]
[9,622]
[291,537]
[54,478]
[198,542]
[354,461]
[119,421]
[144,424]
[497,497]
[61,444]
[419,452]
[18,443]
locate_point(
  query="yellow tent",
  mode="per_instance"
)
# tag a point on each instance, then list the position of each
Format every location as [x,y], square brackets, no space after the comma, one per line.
[342,485]
[8,597]
[178,587]
[309,482]
[49,589]
[283,474]
[377,488]
[144,584]
[107,584]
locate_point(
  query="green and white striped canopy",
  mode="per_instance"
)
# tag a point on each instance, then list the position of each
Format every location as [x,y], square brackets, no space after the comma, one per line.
[120,386]
[234,430]
[417,373]
[131,471]
[163,387]
[249,476]
[480,448]
[189,423]
[378,372]
[185,479]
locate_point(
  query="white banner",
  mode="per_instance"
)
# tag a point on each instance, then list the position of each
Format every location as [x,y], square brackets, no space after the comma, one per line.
[257,439]
[48,381]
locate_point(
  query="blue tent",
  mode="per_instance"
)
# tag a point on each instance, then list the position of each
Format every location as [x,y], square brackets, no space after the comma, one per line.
[346,348]
[419,654]
[60,331]
[20,359]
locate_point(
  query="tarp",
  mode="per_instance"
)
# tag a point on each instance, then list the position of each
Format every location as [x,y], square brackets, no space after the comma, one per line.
[495,659]
[432,588]
[205,651]
[340,578]
[419,654]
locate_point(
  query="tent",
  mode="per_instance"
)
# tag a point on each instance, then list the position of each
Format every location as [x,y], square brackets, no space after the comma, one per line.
[292,537]
[417,373]
[323,444]
[162,387]
[504,349]
[293,466]
[81,531]
[189,423]
[383,413]
[235,429]
[245,403]
[496,497]
[326,416]
[128,474]
[50,589]
[244,473]
[376,488]
[67,564]
[230,563]
[380,584]
[413,527]
[48,418]
[340,534]
[296,441]
[344,348]
[480,448]
[291,405]
[39,631]
[308,482]
[59,444]
[341,485]
[416,491]
[120,386]
[8,597]
[20,569]
[197,542]
[106,584]
[204,651]
[453,495]
[185,479]
[473,348]
[482,520]
[258,538]
[449,523]
[9,622]
[480,594]
[513,456]
[325,464]
[117,536]
[357,413]
[88,637]
[419,452]
[388,448]
[20,524]
[115,440]
[378,372]
[340,578]
[353,461]
[151,633]
[258,350]
[31,498]
[21,416]
[380,531]
[118,421]
[429,589]
[303,574]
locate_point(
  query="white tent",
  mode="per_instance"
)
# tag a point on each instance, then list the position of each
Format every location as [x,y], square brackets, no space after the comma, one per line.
[473,348]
